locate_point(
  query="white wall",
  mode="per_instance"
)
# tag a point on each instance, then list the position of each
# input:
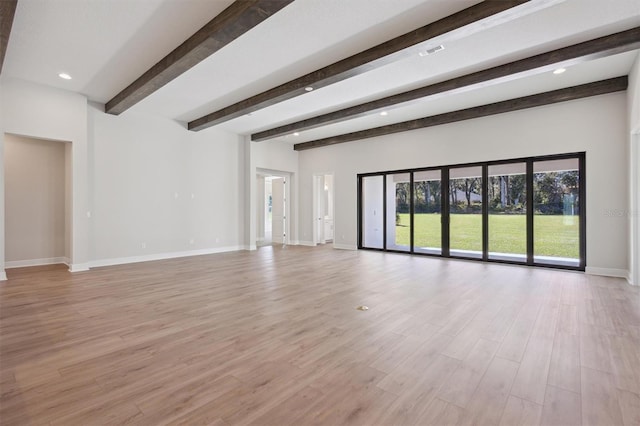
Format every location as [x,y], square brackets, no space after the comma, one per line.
[42,112]
[35,227]
[161,190]
[135,179]
[633,96]
[596,125]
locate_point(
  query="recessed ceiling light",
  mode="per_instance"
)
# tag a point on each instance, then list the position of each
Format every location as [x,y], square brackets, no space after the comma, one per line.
[559,71]
[308,88]
[64,76]
[431,51]
[296,134]
[383,113]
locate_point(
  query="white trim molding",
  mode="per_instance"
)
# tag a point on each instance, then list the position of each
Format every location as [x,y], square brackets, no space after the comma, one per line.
[78,267]
[607,272]
[36,262]
[305,243]
[345,246]
[3,275]
[161,256]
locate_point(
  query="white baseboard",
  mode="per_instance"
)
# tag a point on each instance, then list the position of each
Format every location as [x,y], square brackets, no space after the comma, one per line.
[3,275]
[345,246]
[78,267]
[305,243]
[36,262]
[161,256]
[607,272]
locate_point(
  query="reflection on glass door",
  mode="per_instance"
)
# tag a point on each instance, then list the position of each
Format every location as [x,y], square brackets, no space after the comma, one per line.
[398,218]
[507,196]
[427,212]
[556,212]
[465,209]
[372,211]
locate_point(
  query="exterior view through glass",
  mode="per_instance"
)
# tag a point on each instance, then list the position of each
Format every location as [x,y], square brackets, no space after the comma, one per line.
[507,202]
[556,219]
[465,212]
[528,211]
[427,212]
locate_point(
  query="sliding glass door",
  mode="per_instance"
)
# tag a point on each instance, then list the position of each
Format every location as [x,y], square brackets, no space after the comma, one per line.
[465,212]
[528,211]
[398,218]
[507,208]
[427,212]
[372,212]
[556,208]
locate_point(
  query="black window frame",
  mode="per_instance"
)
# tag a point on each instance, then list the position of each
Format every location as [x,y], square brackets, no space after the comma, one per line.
[445,210]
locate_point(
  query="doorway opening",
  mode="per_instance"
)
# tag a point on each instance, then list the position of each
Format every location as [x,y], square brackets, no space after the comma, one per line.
[323,208]
[37,179]
[272,208]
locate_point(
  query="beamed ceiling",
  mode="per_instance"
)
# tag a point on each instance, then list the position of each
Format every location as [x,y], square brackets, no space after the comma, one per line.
[320,72]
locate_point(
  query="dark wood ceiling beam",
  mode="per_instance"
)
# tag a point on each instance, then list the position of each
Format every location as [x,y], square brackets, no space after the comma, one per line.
[234,21]
[593,49]
[465,22]
[7,12]
[571,93]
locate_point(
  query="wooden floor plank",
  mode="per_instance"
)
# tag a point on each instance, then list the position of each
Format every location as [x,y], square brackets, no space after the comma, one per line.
[531,380]
[273,337]
[630,407]
[490,398]
[599,399]
[564,371]
[521,412]
[561,408]
[459,388]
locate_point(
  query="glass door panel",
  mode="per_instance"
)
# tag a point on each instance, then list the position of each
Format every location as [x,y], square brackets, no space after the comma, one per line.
[398,214]
[507,195]
[465,209]
[556,219]
[427,212]
[372,212]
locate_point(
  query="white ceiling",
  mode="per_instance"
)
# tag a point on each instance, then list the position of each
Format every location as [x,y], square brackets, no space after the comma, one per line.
[106,44]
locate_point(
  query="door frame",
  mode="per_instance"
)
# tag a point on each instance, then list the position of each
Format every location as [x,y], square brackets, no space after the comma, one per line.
[634,213]
[318,202]
[318,194]
[445,223]
[288,177]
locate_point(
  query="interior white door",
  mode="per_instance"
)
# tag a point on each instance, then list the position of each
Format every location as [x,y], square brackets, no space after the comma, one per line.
[277,210]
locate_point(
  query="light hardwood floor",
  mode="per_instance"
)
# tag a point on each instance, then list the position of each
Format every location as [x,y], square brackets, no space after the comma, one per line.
[272,337]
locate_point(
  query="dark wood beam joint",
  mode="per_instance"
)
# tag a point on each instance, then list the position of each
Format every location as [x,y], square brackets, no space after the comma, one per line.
[234,21]
[613,44]
[562,95]
[375,57]
[7,13]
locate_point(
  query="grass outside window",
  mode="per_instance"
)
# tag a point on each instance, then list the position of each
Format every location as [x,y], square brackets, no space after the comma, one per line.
[555,235]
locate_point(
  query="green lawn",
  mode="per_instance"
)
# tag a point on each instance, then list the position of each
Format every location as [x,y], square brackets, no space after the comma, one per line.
[554,235]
